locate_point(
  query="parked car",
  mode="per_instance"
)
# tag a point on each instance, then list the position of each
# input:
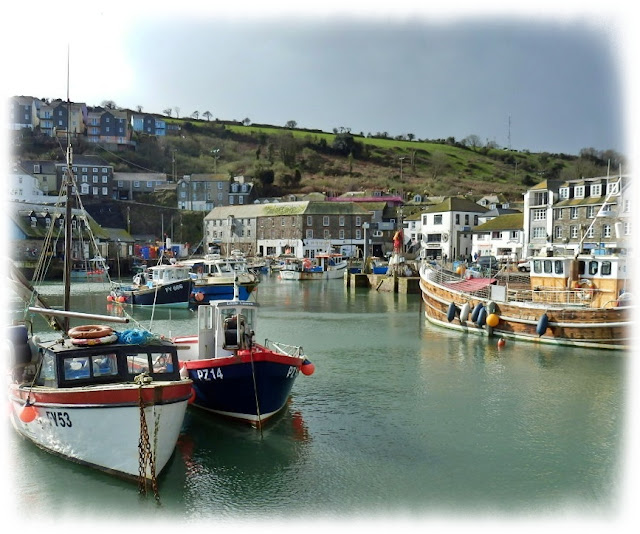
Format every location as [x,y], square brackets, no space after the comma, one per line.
[524,266]
[488,262]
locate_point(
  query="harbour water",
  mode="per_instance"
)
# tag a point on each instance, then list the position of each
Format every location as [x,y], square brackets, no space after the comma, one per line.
[399,418]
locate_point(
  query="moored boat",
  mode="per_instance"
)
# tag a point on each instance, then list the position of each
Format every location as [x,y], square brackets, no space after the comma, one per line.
[580,301]
[233,376]
[213,278]
[114,402]
[167,285]
[110,400]
[324,267]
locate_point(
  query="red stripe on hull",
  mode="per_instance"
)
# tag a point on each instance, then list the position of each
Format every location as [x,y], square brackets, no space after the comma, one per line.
[151,394]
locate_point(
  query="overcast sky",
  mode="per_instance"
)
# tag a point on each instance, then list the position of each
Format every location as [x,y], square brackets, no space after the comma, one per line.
[544,83]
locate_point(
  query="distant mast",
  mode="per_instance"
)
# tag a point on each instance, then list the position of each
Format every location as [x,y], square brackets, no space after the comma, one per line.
[67,217]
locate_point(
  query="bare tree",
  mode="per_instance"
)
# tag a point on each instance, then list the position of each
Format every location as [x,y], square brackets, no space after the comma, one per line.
[195,114]
[108,104]
[472,141]
[167,112]
[139,108]
[207,115]
[437,163]
[177,111]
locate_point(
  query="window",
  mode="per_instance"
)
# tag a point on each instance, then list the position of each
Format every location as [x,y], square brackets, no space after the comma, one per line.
[574,232]
[327,234]
[547,266]
[539,214]
[564,193]
[612,188]
[340,234]
[591,212]
[219,185]
[358,221]
[341,220]
[358,233]
[104,365]
[220,197]
[475,220]
[591,232]
[34,222]
[105,179]
[240,199]
[95,178]
[95,191]
[230,201]
[466,219]
[325,221]
[558,267]
[557,232]
[627,206]
[457,218]
[149,182]
[627,228]
[539,232]
[183,194]
[137,363]
[606,230]
[136,183]
[105,191]
[85,178]
[593,267]
[437,219]
[282,221]
[309,220]
[605,268]
[596,190]
[309,234]
[579,191]
[574,213]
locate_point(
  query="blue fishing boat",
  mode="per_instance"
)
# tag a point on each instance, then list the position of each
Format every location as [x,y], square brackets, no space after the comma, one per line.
[213,278]
[233,376]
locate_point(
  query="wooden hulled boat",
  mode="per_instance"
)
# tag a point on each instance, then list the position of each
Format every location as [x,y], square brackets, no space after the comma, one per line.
[582,301]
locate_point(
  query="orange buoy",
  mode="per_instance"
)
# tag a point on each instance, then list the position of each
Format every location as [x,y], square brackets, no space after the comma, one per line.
[28,413]
[501,342]
[307,368]
[493,319]
[122,298]
[199,296]
[109,298]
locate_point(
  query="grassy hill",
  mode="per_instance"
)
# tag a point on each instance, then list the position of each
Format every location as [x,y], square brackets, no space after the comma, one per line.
[285,160]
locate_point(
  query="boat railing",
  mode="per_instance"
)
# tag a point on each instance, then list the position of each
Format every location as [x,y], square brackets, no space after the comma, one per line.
[283,348]
[517,289]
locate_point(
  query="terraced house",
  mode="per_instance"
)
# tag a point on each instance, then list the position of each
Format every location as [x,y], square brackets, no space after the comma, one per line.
[300,228]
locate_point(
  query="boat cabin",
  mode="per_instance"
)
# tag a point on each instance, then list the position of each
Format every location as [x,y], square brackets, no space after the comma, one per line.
[598,279]
[166,274]
[67,365]
[225,327]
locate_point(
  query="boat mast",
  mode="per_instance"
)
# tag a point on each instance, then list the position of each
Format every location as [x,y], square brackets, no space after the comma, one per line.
[68,177]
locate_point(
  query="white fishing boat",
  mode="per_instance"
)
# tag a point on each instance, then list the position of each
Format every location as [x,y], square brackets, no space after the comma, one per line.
[112,400]
[325,267]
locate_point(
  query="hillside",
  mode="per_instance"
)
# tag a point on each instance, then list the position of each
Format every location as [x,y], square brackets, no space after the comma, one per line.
[289,160]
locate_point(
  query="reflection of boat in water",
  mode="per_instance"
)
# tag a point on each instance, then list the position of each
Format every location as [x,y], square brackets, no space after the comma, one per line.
[233,376]
[325,267]
[580,301]
[209,444]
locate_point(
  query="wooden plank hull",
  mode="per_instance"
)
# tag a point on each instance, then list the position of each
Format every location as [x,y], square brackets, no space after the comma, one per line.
[600,328]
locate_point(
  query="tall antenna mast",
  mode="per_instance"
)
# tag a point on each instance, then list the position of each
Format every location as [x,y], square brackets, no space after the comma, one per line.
[509,134]
[67,217]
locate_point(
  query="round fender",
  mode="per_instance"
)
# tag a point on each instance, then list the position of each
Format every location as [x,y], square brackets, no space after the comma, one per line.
[464,312]
[543,324]
[476,312]
[451,313]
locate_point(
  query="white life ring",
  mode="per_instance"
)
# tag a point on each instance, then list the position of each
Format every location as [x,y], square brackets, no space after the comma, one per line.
[95,340]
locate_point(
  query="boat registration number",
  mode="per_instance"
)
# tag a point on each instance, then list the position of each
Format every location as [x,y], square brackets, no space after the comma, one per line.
[292,372]
[60,419]
[209,374]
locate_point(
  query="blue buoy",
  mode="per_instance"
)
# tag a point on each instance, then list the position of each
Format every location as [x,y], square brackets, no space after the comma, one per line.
[476,312]
[543,324]
[482,317]
[451,313]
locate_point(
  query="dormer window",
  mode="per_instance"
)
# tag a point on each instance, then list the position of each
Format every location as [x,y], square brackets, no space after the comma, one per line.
[612,188]
[579,191]
[34,222]
[564,193]
[596,190]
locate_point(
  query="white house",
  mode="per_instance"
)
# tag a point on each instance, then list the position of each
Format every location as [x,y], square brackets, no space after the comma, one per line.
[502,237]
[24,187]
[447,228]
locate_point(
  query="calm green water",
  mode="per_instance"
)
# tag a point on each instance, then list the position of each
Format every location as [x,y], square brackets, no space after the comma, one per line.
[399,418]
